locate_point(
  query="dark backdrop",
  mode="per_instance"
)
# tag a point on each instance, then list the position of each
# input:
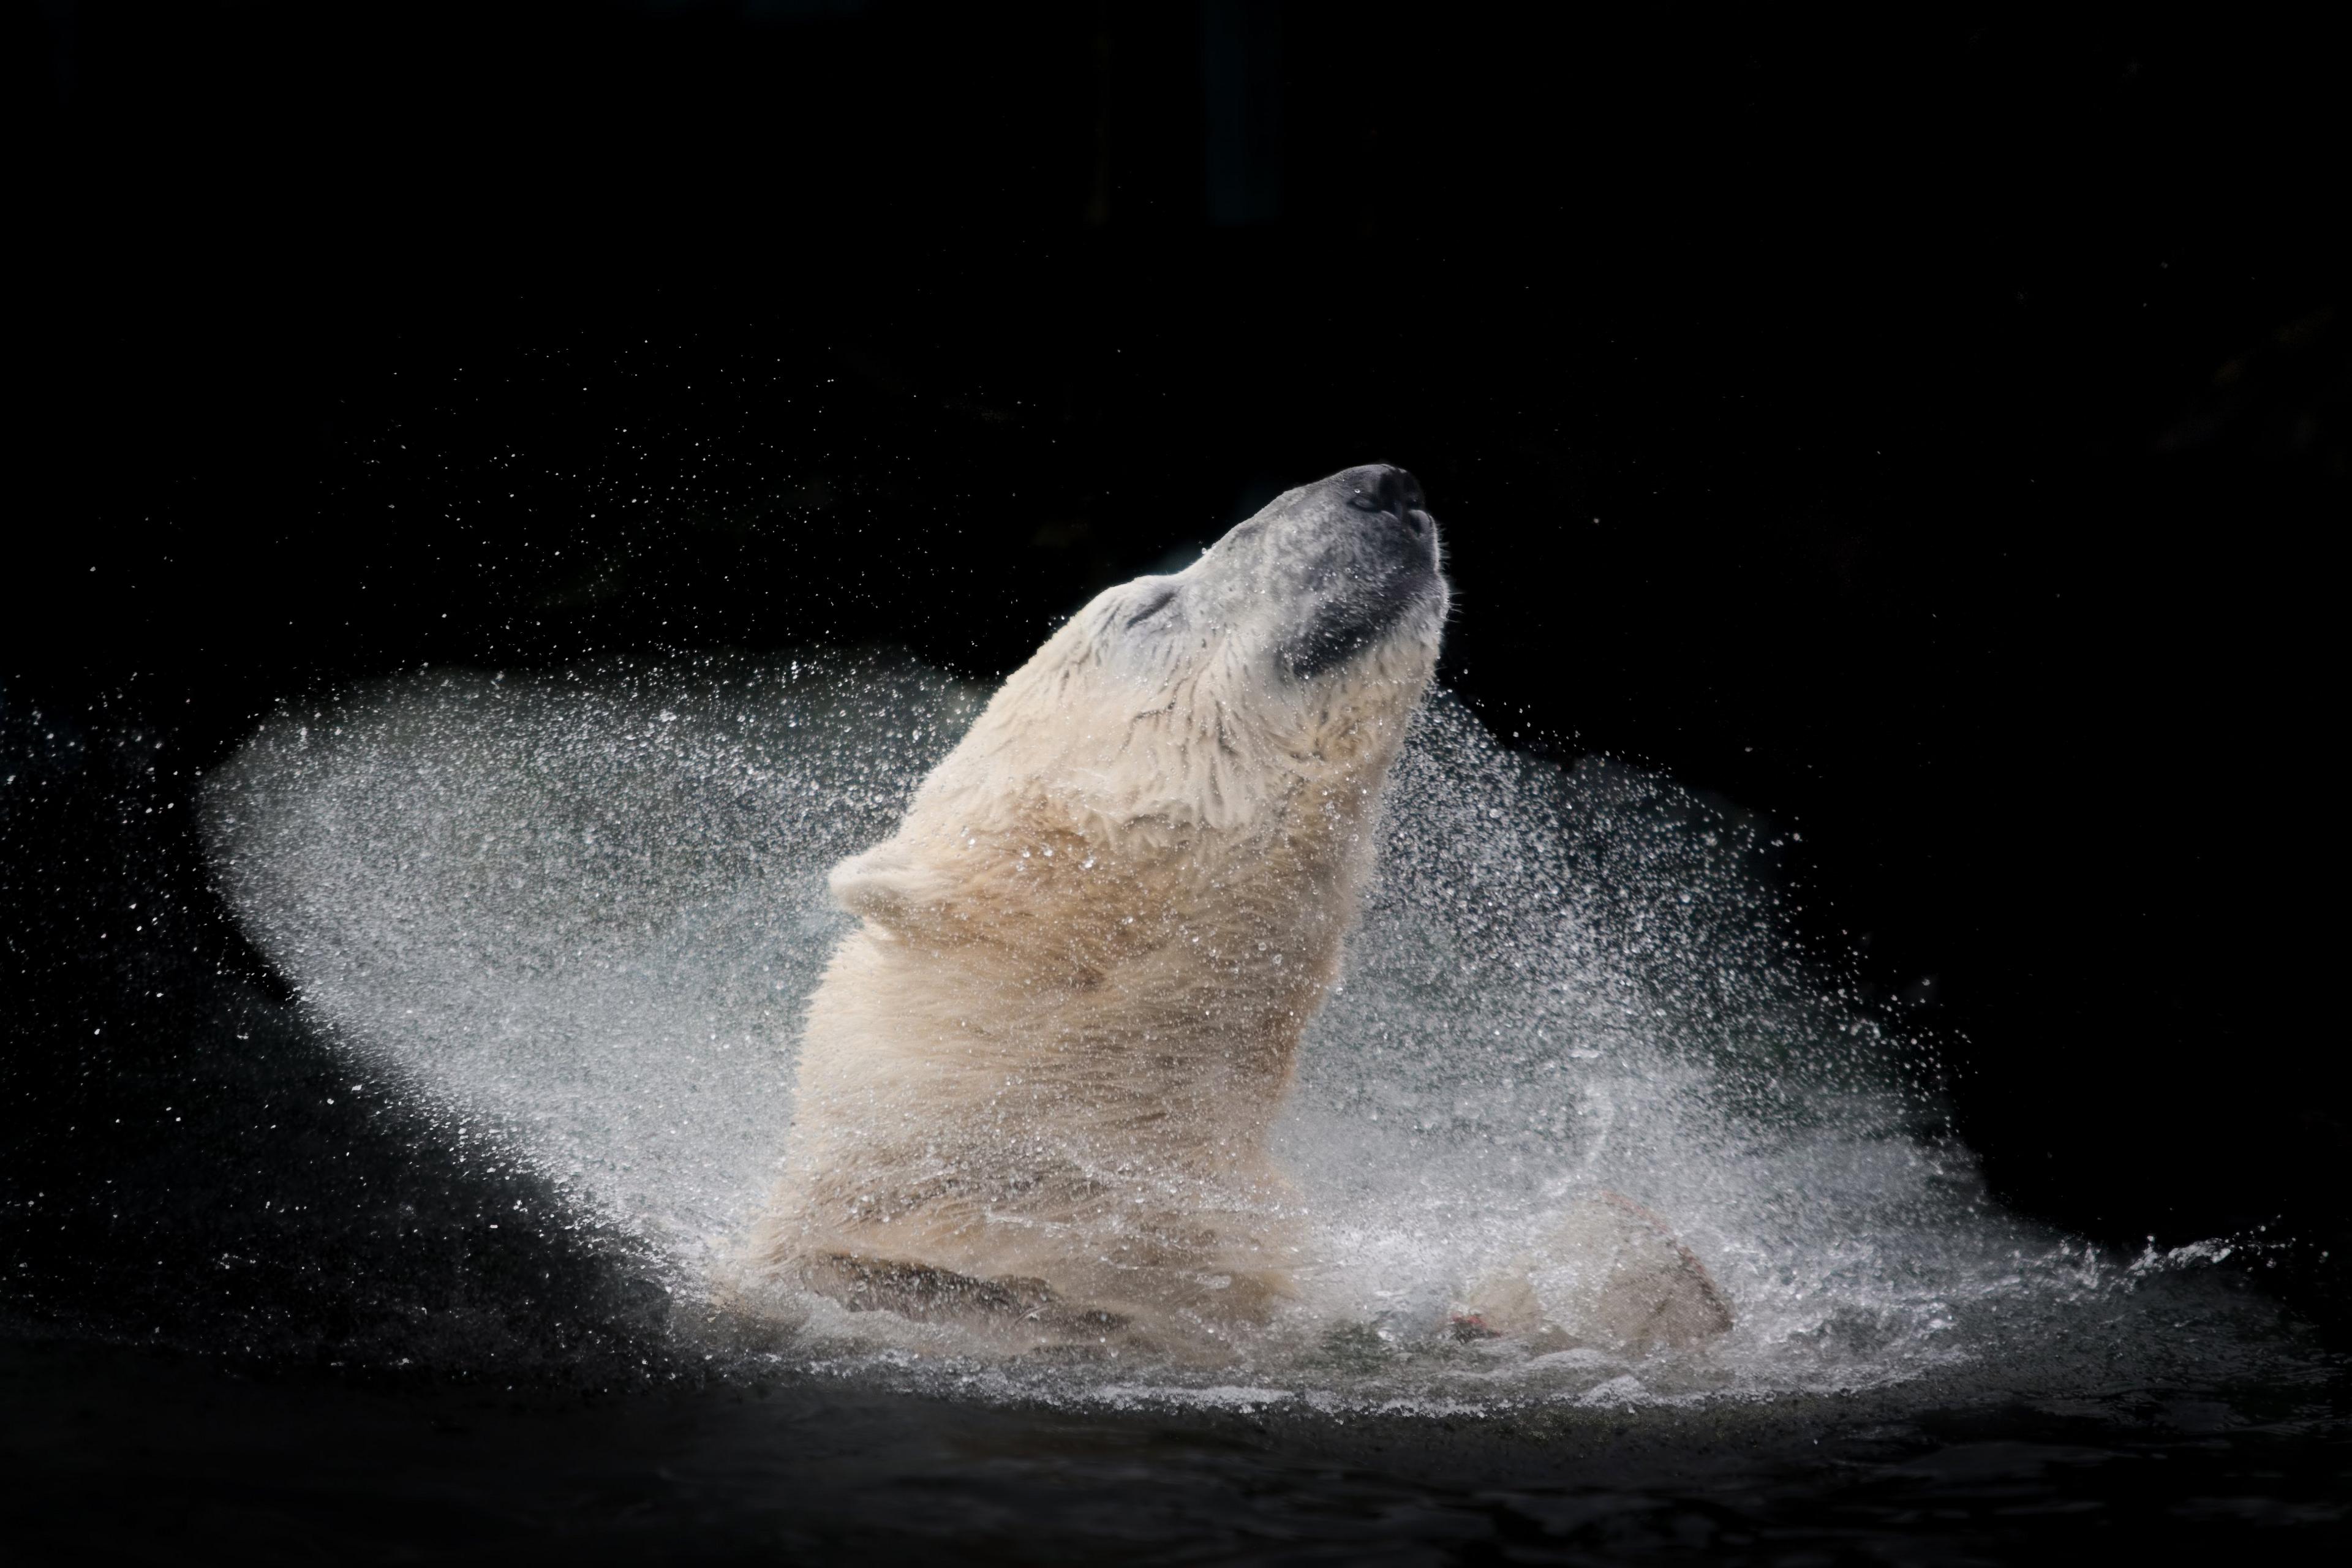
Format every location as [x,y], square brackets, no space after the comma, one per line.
[1919,430]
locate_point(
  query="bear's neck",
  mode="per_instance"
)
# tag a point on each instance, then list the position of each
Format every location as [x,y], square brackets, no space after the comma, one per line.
[1147,997]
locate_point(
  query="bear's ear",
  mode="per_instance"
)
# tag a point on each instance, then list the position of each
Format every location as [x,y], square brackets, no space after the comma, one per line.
[885,885]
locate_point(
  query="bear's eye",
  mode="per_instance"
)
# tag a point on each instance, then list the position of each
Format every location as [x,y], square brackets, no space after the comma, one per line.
[1152,606]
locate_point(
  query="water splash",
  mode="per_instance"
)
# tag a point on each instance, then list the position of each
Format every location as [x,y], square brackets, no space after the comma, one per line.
[579,914]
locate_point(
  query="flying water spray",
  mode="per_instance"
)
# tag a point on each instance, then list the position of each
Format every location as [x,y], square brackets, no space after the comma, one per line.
[579,915]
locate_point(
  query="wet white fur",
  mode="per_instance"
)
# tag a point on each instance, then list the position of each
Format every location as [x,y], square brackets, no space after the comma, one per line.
[1052,1052]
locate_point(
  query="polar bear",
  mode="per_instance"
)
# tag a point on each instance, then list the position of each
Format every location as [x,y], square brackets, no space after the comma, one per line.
[1037,1082]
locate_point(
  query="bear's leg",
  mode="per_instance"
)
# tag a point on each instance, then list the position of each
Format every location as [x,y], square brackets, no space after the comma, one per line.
[927,1295]
[1611,1275]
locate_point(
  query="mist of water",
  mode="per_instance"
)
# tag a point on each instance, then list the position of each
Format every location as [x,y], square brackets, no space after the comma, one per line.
[580,915]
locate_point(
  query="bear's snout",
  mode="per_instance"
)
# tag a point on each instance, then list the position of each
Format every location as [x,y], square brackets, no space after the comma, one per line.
[1364,561]
[1382,488]
[1375,522]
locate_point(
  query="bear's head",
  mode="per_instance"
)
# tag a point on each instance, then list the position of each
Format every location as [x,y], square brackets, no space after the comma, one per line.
[1262,691]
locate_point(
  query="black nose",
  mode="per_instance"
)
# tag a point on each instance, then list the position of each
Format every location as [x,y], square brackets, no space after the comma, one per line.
[1383,487]
[1399,491]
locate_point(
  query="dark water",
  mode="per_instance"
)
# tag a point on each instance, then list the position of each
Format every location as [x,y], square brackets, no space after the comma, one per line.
[127,1454]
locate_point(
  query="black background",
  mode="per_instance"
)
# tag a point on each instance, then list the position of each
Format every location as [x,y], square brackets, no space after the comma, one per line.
[1920,430]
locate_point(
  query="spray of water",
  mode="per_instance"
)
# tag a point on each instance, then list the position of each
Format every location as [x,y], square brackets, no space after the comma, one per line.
[579,914]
